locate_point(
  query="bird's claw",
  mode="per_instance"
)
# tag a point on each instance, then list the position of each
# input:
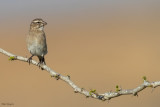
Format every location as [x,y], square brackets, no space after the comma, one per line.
[29,60]
[39,65]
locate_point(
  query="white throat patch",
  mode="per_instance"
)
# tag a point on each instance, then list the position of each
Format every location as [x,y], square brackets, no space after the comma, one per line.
[41,28]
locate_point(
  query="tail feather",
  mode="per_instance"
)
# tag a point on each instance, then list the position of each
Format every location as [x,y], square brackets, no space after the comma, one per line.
[41,60]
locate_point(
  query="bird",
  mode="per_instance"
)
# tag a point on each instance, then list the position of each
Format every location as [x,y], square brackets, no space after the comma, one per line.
[36,40]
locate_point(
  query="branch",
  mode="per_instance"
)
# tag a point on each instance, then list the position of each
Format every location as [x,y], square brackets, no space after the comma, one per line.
[91,93]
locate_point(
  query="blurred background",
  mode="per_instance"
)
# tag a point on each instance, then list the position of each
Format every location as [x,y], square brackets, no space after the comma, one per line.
[99,43]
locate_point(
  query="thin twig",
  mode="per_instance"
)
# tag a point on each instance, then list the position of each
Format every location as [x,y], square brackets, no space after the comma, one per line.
[91,93]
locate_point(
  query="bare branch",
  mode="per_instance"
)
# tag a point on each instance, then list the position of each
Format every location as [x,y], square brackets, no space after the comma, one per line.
[91,93]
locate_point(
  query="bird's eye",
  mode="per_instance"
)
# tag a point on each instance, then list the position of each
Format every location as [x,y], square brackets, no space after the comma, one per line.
[38,22]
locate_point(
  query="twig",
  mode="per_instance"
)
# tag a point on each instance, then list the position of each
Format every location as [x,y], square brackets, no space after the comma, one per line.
[91,93]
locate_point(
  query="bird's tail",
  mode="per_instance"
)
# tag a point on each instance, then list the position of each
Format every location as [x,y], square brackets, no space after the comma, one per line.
[41,60]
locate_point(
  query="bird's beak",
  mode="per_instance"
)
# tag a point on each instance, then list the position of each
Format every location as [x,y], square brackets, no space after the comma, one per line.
[45,23]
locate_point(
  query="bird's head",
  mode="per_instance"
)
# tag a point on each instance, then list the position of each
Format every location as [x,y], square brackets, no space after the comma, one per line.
[38,24]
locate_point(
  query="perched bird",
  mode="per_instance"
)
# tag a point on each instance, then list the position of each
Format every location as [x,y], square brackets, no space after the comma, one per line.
[36,40]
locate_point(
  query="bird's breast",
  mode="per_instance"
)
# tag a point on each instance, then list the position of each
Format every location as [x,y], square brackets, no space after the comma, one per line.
[36,44]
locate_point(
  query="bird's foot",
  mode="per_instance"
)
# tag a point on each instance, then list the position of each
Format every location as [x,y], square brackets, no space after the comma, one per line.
[29,60]
[40,64]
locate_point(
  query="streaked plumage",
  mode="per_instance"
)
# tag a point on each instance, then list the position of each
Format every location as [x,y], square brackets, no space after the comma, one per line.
[36,40]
